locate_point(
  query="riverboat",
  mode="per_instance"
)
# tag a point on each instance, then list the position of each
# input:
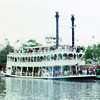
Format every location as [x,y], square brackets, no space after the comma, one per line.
[52,61]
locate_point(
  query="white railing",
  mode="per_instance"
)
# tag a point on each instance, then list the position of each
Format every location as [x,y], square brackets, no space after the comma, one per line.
[45,52]
[47,63]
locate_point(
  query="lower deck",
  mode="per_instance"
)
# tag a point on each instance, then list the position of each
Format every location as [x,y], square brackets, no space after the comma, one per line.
[52,72]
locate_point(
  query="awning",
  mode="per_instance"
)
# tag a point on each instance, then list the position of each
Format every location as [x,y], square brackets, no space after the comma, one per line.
[89,65]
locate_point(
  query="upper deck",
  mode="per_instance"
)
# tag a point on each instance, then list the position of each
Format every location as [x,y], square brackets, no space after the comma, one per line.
[40,50]
[39,55]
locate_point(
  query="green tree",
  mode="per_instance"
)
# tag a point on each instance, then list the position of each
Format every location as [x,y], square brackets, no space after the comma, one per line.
[93,52]
[3,54]
[88,53]
[30,43]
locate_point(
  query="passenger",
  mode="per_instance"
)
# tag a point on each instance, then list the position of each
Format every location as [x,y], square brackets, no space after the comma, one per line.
[65,72]
[93,71]
[55,73]
[81,72]
[72,70]
[87,71]
[59,73]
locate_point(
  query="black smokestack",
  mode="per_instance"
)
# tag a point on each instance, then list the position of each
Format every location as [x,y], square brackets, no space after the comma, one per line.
[57,30]
[73,30]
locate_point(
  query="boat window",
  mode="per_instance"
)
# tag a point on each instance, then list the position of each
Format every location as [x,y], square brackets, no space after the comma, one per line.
[38,59]
[20,59]
[64,55]
[18,70]
[45,58]
[80,55]
[48,57]
[57,70]
[13,70]
[15,59]
[55,56]
[70,55]
[31,59]
[34,59]
[12,58]
[66,70]
[59,56]
[29,71]
[24,70]
[41,58]
[28,59]
[52,57]
[74,56]
[36,69]
[23,59]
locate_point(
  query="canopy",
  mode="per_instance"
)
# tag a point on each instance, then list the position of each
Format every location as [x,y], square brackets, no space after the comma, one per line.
[89,65]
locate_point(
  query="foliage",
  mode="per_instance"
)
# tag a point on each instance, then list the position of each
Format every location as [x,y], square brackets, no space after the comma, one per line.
[93,52]
[98,72]
[30,43]
[3,54]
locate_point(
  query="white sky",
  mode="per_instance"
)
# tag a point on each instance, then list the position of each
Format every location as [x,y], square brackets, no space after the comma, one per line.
[26,19]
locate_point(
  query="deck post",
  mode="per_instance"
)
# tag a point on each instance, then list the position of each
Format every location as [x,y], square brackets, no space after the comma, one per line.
[70,69]
[61,70]
[32,71]
[27,71]
[52,71]
[76,63]
[21,71]
[76,68]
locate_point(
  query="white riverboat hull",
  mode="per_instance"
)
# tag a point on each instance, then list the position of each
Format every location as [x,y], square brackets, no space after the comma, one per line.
[74,77]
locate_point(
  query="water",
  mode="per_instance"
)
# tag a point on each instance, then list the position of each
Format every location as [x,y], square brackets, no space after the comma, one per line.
[36,89]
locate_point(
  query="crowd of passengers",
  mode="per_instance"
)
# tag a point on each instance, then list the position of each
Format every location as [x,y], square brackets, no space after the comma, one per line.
[46,49]
[39,72]
[87,71]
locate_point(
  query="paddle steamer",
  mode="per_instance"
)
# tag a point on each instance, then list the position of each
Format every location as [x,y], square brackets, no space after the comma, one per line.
[53,61]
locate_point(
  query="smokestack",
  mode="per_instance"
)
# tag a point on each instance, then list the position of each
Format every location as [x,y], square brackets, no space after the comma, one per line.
[73,30]
[57,30]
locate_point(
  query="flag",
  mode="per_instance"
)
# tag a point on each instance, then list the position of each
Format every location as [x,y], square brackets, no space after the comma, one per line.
[6,39]
[93,37]
[17,41]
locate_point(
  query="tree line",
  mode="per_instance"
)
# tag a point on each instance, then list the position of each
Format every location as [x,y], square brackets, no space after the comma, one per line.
[93,53]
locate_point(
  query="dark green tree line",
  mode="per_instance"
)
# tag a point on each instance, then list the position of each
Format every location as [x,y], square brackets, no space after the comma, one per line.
[93,52]
[3,54]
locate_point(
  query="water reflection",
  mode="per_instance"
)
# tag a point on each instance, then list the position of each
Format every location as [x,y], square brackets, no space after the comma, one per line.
[34,89]
[2,88]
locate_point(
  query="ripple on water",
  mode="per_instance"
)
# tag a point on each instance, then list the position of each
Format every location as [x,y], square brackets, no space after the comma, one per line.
[34,89]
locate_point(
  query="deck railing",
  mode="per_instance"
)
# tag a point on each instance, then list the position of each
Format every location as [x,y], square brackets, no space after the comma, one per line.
[44,52]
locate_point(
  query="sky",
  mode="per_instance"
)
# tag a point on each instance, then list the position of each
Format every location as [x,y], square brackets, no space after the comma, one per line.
[35,19]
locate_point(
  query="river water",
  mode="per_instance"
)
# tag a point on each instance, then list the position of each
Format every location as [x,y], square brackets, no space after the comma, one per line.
[38,89]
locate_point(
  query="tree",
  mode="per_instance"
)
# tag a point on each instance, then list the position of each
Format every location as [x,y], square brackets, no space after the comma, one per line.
[93,52]
[30,43]
[3,54]
[88,53]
